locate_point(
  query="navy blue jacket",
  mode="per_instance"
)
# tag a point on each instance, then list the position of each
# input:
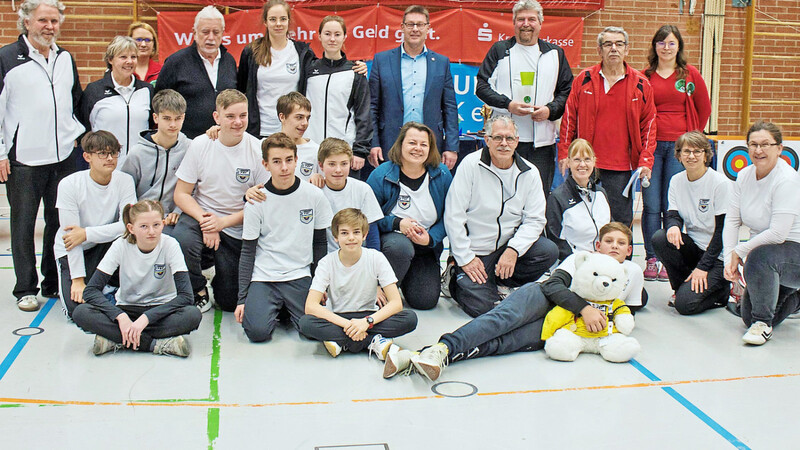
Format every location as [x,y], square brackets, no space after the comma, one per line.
[385,182]
[439,110]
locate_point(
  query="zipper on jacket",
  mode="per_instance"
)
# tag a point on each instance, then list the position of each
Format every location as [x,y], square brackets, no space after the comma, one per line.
[325,117]
[166,170]
[503,202]
[55,103]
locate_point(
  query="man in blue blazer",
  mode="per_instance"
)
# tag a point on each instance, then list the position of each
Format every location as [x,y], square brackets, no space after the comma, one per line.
[412,83]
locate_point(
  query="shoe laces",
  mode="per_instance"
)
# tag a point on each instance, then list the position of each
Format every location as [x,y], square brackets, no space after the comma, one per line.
[375,344]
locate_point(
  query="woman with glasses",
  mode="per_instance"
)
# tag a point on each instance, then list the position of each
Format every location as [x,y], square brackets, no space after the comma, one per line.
[411,188]
[90,204]
[578,208]
[119,102]
[765,199]
[698,201]
[147,68]
[339,97]
[682,105]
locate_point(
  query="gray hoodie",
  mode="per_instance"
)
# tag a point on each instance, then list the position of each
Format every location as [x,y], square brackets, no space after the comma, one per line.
[153,168]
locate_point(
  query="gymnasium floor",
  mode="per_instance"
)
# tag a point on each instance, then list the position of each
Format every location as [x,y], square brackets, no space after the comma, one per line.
[694,386]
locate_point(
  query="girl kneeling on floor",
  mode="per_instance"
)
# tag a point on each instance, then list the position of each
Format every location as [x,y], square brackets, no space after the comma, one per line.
[155,306]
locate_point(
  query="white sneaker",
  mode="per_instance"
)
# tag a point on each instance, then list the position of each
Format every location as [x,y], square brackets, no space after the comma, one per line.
[447,275]
[431,361]
[175,346]
[103,345]
[758,334]
[28,303]
[398,362]
[333,348]
[380,346]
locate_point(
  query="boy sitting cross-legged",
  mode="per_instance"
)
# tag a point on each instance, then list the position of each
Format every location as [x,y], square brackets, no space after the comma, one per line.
[350,276]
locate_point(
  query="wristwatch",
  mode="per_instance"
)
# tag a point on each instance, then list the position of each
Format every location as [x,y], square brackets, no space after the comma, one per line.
[370,322]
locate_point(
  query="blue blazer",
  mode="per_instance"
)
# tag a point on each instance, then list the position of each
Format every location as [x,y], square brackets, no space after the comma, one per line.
[385,183]
[439,110]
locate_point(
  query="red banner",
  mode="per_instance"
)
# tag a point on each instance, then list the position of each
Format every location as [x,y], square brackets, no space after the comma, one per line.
[505,5]
[462,35]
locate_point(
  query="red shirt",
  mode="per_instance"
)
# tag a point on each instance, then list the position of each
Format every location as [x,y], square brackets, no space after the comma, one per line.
[670,106]
[611,139]
[153,69]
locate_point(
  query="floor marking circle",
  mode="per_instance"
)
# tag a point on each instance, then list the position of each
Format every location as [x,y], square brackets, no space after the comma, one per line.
[459,385]
[28,331]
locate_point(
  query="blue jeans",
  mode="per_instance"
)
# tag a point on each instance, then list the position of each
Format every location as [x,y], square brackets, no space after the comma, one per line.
[665,165]
[514,325]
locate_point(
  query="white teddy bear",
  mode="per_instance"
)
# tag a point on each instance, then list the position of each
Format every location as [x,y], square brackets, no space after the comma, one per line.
[600,280]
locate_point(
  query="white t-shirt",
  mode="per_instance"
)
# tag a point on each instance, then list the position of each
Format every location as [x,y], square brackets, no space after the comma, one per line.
[307,160]
[417,205]
[273,81]
[632,294]
[222,175]
[284,225]
[507,177]
[354,194]
[352,289]
[775,193]
[698,202]
[145,279]
[94,207]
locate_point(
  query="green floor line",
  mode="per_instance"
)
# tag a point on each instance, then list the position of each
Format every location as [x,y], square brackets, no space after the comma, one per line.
[213,413]
[174,400]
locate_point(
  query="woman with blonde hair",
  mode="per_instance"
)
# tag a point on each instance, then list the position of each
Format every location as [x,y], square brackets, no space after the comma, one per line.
[147,68]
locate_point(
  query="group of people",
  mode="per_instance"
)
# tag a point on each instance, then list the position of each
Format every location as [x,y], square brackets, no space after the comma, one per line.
[200,169]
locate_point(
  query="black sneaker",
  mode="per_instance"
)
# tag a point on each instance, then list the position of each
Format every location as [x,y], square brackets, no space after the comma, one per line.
[202,301]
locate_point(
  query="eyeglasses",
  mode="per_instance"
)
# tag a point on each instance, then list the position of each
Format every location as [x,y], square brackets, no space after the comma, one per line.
[418,25]
[105,154]
[145,40]
[672,45]
[695,152]
[499,138]
[609,44]
[578,161]
[756,146]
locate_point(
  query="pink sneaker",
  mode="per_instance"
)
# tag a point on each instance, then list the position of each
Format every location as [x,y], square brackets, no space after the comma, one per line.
[651,272]
[662,275]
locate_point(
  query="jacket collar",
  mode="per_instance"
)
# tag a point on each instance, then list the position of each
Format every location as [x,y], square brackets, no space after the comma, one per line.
[334,63]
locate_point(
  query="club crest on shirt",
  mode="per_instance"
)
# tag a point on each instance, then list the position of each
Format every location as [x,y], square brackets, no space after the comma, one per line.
[242,175]
[159,270]
[306,168]
[404,201]
[291,68]
[702,205]
[306,215]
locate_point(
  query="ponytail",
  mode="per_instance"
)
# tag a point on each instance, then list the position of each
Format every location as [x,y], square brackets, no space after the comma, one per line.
[132,210]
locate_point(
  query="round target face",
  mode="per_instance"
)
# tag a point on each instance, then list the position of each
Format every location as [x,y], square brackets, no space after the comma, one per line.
[790,156]
[736,160]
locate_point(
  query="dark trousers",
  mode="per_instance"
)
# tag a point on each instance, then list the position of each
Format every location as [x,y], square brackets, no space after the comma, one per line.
[544,158]
[772,273]
[226,260]
[417,269]
[476,299]
[265,300]
[679,264]
[91,258]
[614,181]
[94,319]
[27,186]
[321,330]
[514,325]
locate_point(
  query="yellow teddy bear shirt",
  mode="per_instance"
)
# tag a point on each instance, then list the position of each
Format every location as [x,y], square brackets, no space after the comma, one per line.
[559,317]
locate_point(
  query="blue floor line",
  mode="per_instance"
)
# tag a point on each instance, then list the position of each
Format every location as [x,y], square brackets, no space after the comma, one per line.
[15,351]
[692,408]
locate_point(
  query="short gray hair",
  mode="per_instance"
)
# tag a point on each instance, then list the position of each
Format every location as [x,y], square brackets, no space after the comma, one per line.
[528,5]
[616,30]
[209,12]
[119,44]
[504,119]
[29,6]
